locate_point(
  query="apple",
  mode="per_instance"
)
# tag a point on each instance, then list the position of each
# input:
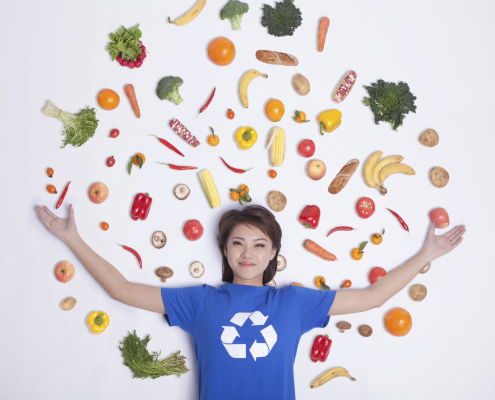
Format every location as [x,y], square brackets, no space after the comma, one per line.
[98,192]
[316,169]
[441,216]
[64,271]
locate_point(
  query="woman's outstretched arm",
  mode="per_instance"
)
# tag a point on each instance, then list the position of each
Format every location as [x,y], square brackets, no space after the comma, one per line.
[357,300]
[133,294]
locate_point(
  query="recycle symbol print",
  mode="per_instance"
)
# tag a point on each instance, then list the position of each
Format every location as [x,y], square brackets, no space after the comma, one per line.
[257,349]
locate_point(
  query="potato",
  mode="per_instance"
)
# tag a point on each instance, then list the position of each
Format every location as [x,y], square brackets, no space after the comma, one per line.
[69,303]
[301,85]
[439,177]
[429,138]
[417,292]
[276,201]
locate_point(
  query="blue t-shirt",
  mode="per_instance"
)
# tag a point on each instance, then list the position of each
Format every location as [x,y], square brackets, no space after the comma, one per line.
[246,337]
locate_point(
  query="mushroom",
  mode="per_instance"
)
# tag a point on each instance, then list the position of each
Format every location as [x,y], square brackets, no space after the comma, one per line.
[197,269]
[159,239]
[164,273]
[181,191]
[272,283]
[343,325]
[365,330]
[417,292]
[281,263]
[425,269]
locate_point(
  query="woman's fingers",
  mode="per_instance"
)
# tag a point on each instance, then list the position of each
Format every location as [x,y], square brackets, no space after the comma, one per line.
[43,214]
[453,231]
[457,242]
[52,215]
[457,235]
[71,212]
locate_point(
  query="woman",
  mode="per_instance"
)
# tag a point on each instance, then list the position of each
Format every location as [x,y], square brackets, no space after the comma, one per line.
[246,333]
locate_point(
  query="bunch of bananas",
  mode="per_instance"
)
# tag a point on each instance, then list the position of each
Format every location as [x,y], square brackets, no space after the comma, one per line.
[376,171]
[329,375]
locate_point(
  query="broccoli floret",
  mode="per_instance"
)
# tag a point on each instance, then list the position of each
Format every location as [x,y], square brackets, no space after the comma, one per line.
[281,20]
[234,11]
[168,89]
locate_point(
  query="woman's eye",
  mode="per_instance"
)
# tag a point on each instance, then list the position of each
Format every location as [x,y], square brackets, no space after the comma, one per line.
[237,243]
[262,245]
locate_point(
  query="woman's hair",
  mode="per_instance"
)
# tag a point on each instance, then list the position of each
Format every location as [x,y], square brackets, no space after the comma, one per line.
[253,215]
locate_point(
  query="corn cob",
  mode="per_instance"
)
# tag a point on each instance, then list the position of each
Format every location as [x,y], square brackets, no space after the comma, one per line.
[209,188]
[276,144]
[183,132]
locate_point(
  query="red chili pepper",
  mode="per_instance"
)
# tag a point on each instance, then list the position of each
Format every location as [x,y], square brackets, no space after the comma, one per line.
[135,253]
[237,170]
[178,167]
[208,102]
[141,206]
[321,348]
[310,216]
[62,197]
[341,228]
[169,145]
[404,225]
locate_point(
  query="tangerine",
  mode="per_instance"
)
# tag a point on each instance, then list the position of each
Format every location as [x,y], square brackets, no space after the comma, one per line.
[274,110]
[108,99]
[398,322]
[136,159]
[221,51]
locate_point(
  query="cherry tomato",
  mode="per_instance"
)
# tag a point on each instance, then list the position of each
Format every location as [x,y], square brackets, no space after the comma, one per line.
[234,196]
[51,189]
[306,148]
[376,238]
[110,161]
[193,230]
[347,284]
[114,133]
[272,173]
[230,114]
[356,254]
[365,207]
[105,226]
[376,273]
[49,172]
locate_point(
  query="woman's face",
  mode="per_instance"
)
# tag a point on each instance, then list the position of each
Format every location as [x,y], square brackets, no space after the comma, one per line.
[248,251]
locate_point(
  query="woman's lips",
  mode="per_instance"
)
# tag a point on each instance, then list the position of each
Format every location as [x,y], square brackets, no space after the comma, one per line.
[246,264]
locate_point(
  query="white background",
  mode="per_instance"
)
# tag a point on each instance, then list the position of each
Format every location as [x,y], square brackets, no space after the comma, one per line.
[55,50]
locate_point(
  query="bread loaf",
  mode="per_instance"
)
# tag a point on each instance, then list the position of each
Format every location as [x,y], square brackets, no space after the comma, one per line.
[274,57]
[343,176]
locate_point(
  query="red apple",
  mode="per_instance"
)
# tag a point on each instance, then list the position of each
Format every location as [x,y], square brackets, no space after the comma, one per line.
[64,271]
[316,169]
[98,192]
[440,216]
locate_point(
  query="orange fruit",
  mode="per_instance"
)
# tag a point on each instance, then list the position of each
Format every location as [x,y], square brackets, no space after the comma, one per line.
[136,161]
[297,284]
[108,99]
[376,238]
[221,51]
[234,196]
[274,110]
[398,322]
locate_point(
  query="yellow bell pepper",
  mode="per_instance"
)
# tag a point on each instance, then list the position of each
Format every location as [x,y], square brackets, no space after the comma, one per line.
[98,322]
[329,120]
[246,137]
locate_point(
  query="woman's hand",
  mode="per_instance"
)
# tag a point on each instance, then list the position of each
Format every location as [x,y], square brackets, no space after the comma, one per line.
[438,246]
[64,229]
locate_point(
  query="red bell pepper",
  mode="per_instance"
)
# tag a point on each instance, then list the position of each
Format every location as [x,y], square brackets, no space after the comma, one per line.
[310,216]
[141,206]
[321,348]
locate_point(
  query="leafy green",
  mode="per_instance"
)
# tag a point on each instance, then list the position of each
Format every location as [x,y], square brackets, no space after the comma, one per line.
[79,127]
[168,89]
[125,41]
[281,20]
[390,102]
[145,365]
[234,10]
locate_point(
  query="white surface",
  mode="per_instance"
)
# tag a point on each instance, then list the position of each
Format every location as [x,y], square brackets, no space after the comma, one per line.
[55,50]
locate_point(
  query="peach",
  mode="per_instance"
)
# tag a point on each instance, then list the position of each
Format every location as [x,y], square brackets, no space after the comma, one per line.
[441,217]
[316,169]
[98,192]
[64,271]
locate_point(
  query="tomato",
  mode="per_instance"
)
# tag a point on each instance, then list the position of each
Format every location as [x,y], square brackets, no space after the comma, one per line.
[193,230]
[356,254]
[272,173]
[230,114]
[51,189]
[347,284]
[306,148]
[376,273]
[105,226]
[365,207]
[49,172]
[110,161]
[114,133]
[376,238]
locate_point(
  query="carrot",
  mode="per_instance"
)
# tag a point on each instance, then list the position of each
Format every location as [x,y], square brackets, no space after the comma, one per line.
[322,32]
[131,95]
[319,251]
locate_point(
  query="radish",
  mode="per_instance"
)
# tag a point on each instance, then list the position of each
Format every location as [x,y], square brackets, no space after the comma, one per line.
[143,49]
[144,54]
[119,58]
[141,57]
[139,63]
[140,42]
[124,63]
[131,64]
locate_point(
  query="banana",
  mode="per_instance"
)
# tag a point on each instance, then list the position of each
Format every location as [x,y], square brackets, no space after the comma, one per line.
[329,375]
[391,169]
[190,15]
[368,169]
[383,163]
[243,85]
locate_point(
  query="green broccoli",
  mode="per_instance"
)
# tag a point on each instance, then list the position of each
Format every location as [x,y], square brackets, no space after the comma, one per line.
[390,102]
[234,11]
[281,20]
[168,89]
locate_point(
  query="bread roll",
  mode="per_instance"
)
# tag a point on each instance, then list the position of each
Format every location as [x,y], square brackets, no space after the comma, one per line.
[276,58]
[343,176]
